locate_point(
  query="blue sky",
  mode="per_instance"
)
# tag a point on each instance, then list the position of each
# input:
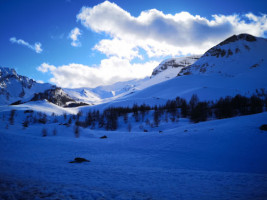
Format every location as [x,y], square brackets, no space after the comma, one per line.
[114,41]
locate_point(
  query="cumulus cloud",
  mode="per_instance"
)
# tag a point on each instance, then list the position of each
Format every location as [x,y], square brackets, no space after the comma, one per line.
[74,34]
[162,34]
[119,48]
[46,67]
[152,34]
[37,47]
[109,71]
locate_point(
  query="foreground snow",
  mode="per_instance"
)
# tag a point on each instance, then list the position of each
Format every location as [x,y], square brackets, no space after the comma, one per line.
[220,159]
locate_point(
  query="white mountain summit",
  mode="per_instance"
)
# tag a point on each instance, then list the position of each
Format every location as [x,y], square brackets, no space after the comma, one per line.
[17,89]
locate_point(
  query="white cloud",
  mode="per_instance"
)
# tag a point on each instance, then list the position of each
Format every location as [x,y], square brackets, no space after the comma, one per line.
[74,34]
[46,67]
[153,32]
[109,71]
[37,47]
[119,48]
[162,34]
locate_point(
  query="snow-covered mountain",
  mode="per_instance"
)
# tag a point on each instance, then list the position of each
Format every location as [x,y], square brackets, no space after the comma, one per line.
[102,94]
[16,89]
[237,65]
[237,54]
[166,70]
[171,67]
[155,150]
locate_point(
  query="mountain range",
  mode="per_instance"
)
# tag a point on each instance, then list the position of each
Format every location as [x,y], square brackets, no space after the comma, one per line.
[236,65]
[137,139]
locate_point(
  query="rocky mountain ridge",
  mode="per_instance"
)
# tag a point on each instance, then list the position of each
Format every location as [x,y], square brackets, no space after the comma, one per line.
[17,89]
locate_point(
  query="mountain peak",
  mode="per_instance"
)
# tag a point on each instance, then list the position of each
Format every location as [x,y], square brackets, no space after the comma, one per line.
[16,89]
[233,45]
[235,55]
[4,71]
[234,38]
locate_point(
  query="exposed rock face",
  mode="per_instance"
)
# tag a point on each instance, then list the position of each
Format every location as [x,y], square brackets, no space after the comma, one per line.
[13,87]
[218,51]
[56,96]
[234,38]
[249,51]
[178,63]
[16,89]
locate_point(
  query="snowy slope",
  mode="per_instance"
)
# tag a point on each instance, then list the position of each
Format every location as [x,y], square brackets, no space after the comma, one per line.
[211,160]
[236,55]
[166,70]
[213,76]
[102,94]
[39,106]
[218,159]
[173,66]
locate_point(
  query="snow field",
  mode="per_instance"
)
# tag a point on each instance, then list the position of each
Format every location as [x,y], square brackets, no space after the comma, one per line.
[220,159]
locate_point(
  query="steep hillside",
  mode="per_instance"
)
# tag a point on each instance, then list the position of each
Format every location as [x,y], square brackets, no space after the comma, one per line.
[237,54]
[238,65]
[166,70]
[172,66]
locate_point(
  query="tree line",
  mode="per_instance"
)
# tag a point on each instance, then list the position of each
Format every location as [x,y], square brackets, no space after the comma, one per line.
[172,110]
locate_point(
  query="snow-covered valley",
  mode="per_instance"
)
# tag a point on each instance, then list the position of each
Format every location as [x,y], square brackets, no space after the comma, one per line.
[190,131]
[220,159]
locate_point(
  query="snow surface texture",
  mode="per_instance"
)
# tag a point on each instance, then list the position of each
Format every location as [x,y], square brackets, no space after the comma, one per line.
[40,106]
[220,159]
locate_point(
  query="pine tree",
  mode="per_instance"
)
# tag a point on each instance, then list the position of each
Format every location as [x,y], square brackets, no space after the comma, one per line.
[256,105]
[156,117]
[193,101]
[125,118]
[101,121]
[184,108]
[199,112]
[11,118]
[25,123]
[89,119]
[77,131]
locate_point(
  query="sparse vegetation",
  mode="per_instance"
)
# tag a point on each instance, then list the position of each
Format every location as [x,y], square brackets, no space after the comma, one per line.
[195,110]
[11,118]
[263,127]
[77,131]
[25,124]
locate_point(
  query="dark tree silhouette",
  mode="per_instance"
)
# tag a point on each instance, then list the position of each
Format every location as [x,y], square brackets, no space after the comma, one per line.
[199,112]
[12,115]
